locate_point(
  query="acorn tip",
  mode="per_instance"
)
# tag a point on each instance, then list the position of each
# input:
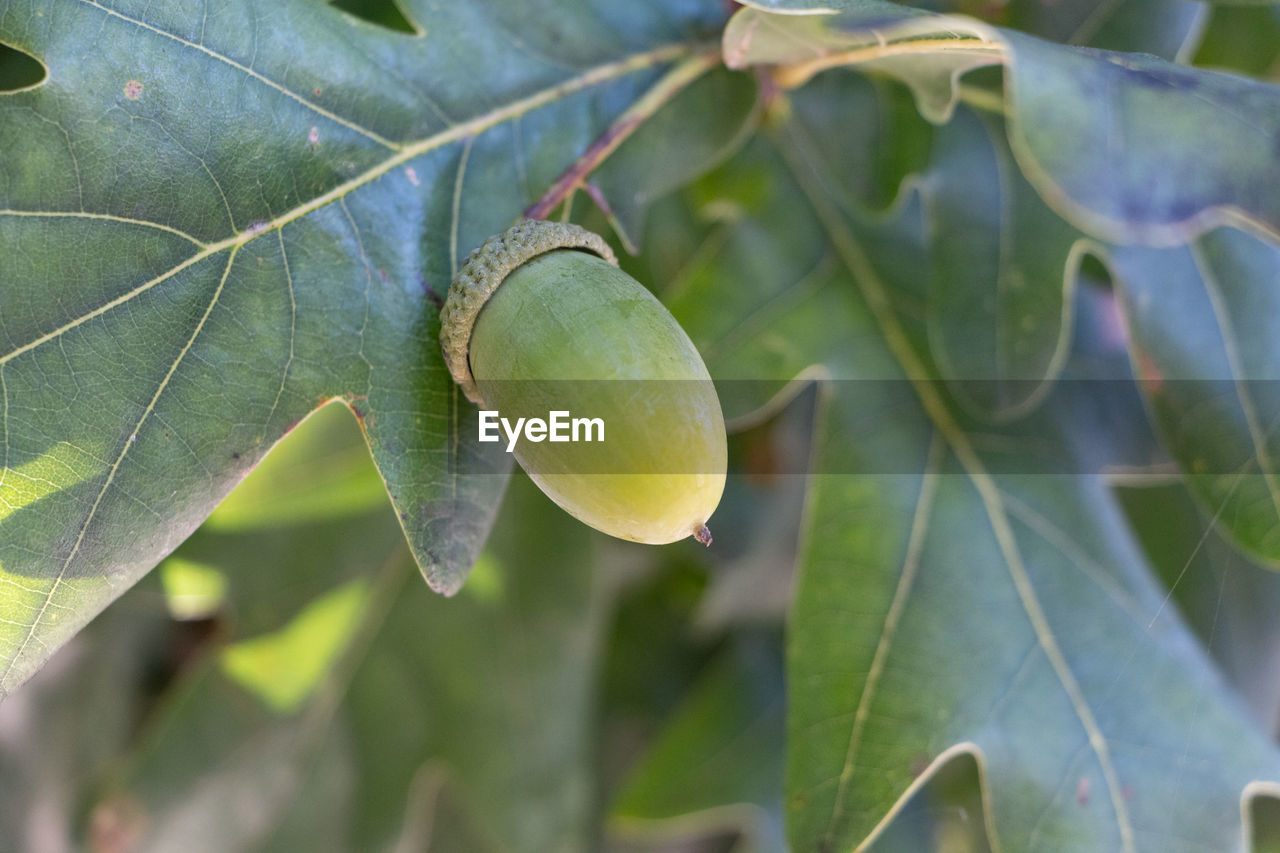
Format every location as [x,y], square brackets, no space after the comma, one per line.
[703,535]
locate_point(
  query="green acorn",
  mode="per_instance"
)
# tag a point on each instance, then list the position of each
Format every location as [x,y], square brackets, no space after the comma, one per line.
[540,323]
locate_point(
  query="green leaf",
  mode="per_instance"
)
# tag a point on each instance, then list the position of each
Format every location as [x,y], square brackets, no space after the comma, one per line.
[944,814]
[1204,320]
[718,762]
[1242,38]
[1074,114]
[703,125]
[1228,600]
[751,581]
[209,231]
[285,667]
[454,724]
[958,595]
[318,475]
[1004,267]
[500,684]
[914,46]
[1077,115]
[1165,28]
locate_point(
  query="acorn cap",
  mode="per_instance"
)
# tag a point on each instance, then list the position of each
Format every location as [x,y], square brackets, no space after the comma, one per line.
[485,269]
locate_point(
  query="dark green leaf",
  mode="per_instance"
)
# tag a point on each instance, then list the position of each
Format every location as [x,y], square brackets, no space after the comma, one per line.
[1242,38]
[718,763]
[1228,600]
[214,219]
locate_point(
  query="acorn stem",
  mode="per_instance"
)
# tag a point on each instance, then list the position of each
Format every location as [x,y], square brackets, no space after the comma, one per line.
[703,535]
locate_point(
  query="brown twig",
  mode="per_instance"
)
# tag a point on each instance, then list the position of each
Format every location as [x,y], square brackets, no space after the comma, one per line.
[653,100]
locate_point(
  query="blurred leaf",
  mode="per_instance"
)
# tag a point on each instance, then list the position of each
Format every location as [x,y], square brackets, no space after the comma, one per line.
[285,667]
[1204,320]
[957,593]
[192,590]
[386,13]
[494,688]
[62,735]
[704,124]
[718,763]
[877,138]
[761,512]
[877,35]
[1229,601]
[1243,38]
[18,70]
[320,474]
[209,232]
[408,719]
[653,656]
[1098,133]
[1160,27]
[271,573]
[1004,268]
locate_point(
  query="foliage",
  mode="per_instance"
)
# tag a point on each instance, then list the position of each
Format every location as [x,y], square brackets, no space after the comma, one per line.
[989,293]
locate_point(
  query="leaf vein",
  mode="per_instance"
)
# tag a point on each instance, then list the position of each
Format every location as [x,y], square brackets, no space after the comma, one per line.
[906,582]
[595,76]
[293,328]
[111,475]
[74,214]
[876,296]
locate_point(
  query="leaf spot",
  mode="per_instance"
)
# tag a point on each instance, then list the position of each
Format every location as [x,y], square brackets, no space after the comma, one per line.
[133,90]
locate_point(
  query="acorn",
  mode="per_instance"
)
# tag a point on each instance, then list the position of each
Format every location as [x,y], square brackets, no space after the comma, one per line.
[589,381]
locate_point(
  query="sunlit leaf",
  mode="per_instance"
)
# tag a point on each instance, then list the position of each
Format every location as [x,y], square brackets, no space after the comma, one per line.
[214,220]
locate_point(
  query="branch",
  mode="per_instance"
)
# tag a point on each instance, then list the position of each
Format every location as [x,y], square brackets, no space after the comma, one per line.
[574,178]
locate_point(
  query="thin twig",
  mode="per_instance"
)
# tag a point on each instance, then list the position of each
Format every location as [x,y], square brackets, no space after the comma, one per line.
[653,100]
